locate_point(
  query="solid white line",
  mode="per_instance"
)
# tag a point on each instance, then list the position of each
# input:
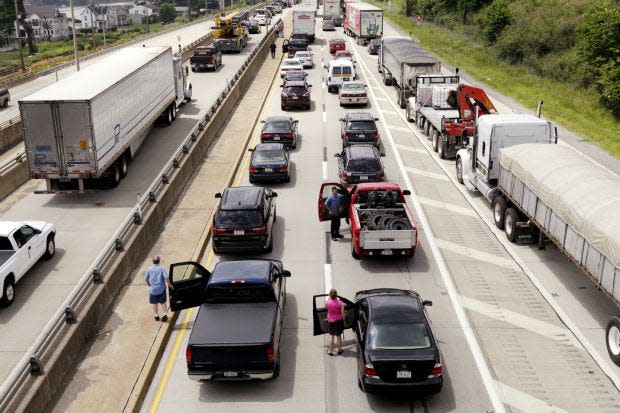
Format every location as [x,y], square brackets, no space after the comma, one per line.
[324,117]
[327,270]
[474,346]
[324,170]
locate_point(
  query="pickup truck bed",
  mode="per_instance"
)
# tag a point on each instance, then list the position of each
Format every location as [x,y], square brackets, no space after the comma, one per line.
[245,324]
[4,256]
[434,115]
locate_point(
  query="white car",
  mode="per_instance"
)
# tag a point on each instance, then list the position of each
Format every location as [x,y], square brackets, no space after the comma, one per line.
[22,244]
[262,17]
[353,93]
[289,65]
[305,57]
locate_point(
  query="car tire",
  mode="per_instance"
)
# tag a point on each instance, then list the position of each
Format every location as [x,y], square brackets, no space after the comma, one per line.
[354,254]
[270,246]
[283,107]
[361,385]
[459,170]
[216,250]
[498,207]
[173,111]
[8,292]
[193,69]
[168,120]
[510,224]
[50,247]
[5,104]
[287,179]
[612,339]
[276,369]
[252,180]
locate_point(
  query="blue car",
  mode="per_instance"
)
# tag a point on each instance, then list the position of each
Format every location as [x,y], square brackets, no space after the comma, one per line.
[269,162]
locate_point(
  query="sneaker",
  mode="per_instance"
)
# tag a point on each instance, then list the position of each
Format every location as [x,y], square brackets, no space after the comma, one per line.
[334,238]
[156,318]
[340,236]
[165,317]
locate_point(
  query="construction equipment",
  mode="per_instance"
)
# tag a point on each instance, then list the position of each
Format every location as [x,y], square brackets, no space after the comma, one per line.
[228,33]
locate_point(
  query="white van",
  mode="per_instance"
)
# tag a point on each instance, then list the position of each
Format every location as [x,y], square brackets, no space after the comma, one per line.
[339,71]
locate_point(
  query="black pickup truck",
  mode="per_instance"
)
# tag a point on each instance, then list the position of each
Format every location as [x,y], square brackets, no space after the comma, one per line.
[236,334]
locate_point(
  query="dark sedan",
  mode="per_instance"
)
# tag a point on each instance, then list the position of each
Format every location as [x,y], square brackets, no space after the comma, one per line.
[396,349]
[295,94]
[280,129]
[373,46]
[337,20]
[360,163]
[269,162]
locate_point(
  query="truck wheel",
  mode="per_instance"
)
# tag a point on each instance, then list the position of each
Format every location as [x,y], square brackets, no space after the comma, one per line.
[122,163]
[510,224]
[50,247]
[173,110]
[459,170]
[442,150]
[499,210]
[435,138]
[427,127]
[168,120]
[408,113]
[8,292]
[613,339]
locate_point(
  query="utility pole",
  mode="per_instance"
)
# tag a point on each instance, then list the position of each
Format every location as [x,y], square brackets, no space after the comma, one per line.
[18,36]
[75,49]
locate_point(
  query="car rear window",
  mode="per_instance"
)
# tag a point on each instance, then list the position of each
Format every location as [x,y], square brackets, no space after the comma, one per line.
[277,126]
[402,336]
[363,165]
[295,89]
[269,156]
[341,70]
[290,63]
[238,293]
[240,218]
[362,125]
[353,87]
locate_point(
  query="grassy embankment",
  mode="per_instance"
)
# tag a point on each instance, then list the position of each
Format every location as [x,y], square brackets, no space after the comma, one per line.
[576,110]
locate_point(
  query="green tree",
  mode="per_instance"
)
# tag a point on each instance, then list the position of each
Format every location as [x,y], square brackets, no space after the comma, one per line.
[167,14]
[497,18]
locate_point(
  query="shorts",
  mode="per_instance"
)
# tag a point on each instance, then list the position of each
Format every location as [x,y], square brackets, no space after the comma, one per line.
[335,328]
[158,298]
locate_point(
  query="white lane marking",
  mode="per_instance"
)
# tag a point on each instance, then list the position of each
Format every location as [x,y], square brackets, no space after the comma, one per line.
[410,148]
[478,255]
[324,117]
[602,362]
[525,402]
[472,342]
[324,170]
[327,270]
[422,172]
[542,328]
[380,99]
[450,207]
[388,112]
[399,128]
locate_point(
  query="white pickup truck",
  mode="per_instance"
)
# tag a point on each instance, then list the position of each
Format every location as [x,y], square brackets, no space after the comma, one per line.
[22,244]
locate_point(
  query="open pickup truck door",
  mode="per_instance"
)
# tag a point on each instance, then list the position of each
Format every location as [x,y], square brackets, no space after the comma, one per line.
[325,192]
[319,314]
[188,280]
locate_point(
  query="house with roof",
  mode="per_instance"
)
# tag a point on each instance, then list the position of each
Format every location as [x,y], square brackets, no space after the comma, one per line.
[48,22]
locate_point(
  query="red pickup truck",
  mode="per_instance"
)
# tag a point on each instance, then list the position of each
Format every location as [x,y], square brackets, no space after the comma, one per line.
[381,222]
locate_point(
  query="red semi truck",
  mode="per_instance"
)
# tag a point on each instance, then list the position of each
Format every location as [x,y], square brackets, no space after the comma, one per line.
[381,222]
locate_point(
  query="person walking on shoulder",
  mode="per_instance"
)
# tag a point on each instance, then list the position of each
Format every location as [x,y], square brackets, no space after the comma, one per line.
[272,46]
[335,320]
[334,206]
[156,277]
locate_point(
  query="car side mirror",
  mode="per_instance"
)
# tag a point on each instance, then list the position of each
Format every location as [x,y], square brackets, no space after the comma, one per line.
[251,150]
[262,121]
[427,303]
[218,195]
[273,195]
[309,85]
[285,273]
[406,192]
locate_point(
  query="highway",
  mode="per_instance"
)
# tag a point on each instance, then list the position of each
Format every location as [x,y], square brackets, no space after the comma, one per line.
[520,330]
[86,222]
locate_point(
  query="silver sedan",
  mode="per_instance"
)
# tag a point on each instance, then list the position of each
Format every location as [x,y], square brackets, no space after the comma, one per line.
[353,93]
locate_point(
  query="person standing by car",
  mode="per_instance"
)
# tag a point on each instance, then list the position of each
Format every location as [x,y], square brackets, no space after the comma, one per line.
[272,47]
[335,320]
[334,206]
[156,277]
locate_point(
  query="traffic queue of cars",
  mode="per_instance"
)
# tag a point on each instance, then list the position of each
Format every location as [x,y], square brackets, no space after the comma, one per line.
[396,349]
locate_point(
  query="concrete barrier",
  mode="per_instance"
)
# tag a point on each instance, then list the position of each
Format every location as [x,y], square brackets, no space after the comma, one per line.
[13,178]
[11,135]
[40,390]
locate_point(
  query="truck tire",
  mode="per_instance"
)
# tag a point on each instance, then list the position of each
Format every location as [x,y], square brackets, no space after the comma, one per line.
[50,247]
[498,206]
[8,292]
[612,335]
[123,165]
[510,224]
[435,139]
[115,175]
[459,170]
[168,119]
[173,109]
[408,113]
[442,149]
[427,127]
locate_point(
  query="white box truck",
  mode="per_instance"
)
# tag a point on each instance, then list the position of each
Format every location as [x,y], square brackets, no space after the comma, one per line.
[363,21]
[304,23]
[86,128]
[331,8]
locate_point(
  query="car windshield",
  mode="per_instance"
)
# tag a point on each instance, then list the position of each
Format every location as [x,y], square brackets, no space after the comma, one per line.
[277,126]
[269,156]
[355,87]
[341,70]
[363,165]
[362,125]
[402,336]
[295,76]
[239,218]
[238,293]
[295,89]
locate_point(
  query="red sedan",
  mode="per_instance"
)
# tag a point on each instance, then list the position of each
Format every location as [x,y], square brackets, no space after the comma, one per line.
[337,44]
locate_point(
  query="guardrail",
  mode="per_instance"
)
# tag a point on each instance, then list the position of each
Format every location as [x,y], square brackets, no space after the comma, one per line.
[31,363]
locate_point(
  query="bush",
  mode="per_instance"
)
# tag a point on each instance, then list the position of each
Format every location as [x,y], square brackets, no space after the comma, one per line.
[498,17]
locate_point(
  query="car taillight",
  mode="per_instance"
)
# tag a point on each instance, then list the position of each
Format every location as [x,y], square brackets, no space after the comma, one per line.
[188,356]
[346,95]
[382,176]
[190,60]
[329,78]
[283,95]
[344,175]
[369,371]
[259,230]
[345,134]
[363,95]
[218,231]
[306,94]
[271,355]
[284,169]
[253,169]
[375,135]
[288,136]
[264,135]
[437,371]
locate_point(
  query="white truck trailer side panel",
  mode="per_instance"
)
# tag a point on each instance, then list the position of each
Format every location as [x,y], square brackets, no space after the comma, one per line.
[331,8]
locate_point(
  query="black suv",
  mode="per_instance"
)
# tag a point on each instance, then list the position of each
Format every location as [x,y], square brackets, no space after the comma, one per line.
[359,127]
[244,220]
[373,46]
[360,163]
[293,45]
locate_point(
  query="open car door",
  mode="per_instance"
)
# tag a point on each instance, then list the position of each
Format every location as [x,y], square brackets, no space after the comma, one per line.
[326,191]
[189,280]
[319,314]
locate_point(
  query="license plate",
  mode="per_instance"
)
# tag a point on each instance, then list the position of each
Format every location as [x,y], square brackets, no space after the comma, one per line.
[361,136]
[346,79]
[403,374]
[389,252]
[295,97]
[235,374]
[238,232]
[354,100]
[268,169]
[276,138]
[363,178]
